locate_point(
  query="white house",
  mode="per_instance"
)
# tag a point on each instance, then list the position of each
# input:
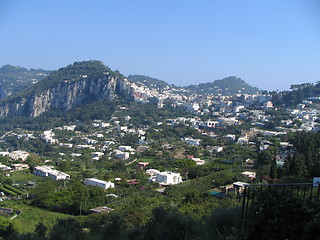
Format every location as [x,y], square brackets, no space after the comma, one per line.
[69,128]
[152,172]
[167,178]
[249,174]
[98,183]
[97,154]
[15,155]
[66,145]
[217,148]
[126,148]
[20,166]
[193,107]
[4,154]
[82,146]
[212,124]
[108,143]
[122,155]
[267,105]
[242,140]
[5,167]
[228,121]
[193,142]
[48,171]
[198,161]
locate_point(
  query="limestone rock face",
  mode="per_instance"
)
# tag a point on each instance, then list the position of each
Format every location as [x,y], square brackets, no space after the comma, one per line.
[66,95]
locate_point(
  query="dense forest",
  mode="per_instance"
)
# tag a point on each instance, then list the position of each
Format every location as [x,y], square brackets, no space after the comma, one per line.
[302,161]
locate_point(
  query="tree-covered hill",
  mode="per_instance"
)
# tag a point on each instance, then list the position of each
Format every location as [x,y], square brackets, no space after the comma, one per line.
[76,72]
[148,81]
[298,93]
[69,87]
[14,79]
[226,86]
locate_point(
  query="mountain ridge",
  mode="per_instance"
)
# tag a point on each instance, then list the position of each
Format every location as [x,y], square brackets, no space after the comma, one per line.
[14,79]
[85,82]
[66,88]
[227,86]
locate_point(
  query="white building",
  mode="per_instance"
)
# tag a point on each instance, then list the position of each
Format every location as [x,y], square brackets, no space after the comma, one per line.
[198,161]
[152,172]
[212,124]
[193,107]
[267,105]
[16,155]
[122,155]
[242,140]
[48,137]
[217,148]
[66,145]
[104,125]
[167,178]
[48,171]
[108,143]
[3,154]
[228,121]
[249,174]
[126,148]
[82,146]
[20,166]
[193,142]
[69,128]
[97,154]
[98,183]
[76,154]
[5,167]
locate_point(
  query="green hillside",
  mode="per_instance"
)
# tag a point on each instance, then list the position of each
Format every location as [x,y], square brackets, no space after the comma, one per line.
[226,86]
[14,79]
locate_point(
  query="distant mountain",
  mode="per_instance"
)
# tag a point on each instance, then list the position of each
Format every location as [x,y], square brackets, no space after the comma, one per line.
[14,79]
[226,86]
[148,82]
[73,86]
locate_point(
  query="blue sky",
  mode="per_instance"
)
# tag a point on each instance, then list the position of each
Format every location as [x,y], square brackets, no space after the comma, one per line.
[270,44]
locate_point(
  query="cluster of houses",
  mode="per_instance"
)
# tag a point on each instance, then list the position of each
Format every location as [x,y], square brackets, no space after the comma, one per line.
[16,155]
[220,111]
[232,109]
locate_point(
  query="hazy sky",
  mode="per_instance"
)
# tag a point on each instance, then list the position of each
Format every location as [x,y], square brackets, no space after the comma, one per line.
[270,44]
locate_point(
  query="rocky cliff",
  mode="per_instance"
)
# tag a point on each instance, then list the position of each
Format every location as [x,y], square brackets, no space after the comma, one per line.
[73,86]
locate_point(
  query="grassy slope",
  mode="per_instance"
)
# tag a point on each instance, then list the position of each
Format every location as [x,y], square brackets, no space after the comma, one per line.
[31,216]
[24,176]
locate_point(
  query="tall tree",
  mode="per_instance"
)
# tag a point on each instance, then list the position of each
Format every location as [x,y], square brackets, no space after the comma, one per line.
[273,169]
